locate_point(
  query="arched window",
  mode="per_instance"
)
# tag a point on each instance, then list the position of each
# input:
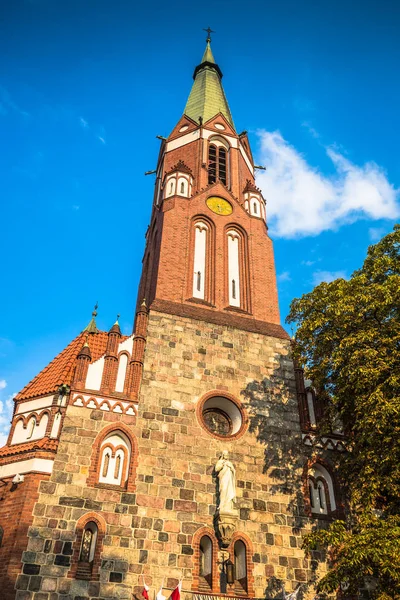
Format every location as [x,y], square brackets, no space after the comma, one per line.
[200,259]
[88,545]
[122,366]
[115,454]
[234,251]
[86,552]
[321,490]
[31,428]
[240,562]
[1,536]
[311,407]
[206,566]
[218,161]
[182,187]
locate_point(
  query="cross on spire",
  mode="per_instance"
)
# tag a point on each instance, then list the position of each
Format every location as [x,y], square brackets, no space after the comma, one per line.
[209,32]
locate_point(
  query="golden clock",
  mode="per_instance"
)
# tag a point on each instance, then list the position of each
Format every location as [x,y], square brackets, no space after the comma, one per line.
[219,206]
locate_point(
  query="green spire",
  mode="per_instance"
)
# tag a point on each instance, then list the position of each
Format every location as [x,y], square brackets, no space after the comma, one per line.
[91,327]
[207,97]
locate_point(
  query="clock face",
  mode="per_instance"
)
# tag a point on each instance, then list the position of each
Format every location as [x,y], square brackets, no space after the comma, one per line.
[219,205]
[217,421]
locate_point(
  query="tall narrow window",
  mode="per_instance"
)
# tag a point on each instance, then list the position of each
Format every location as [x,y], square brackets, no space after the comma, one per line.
[212,163]
[222,165]
[240,566]
[205,563]
[233,268]
[200,248]
[106,463]
[31,428]
[311,408]
[117,467]
[217,163]
[182,188]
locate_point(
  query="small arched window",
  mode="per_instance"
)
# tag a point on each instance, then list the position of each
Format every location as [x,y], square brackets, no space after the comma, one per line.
[255,207]
[31,428]
[115,455]
[88,545]
[182,187]
[206,567]
[240,557]
[321,491]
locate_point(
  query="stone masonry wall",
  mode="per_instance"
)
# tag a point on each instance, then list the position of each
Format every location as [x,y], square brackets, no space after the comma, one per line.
[150,532]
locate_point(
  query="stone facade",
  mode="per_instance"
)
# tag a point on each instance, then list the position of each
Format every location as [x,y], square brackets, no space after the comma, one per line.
[152,530]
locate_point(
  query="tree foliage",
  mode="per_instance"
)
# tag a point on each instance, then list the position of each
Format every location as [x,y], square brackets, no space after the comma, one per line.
[348,339]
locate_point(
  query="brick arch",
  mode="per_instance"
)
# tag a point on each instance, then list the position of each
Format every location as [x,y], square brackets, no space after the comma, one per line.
[242,537]
[196,558]
[95,463]
[79,529]
[339,512]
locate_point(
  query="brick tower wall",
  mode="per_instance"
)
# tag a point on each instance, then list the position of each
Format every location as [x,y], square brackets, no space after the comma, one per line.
[16,515]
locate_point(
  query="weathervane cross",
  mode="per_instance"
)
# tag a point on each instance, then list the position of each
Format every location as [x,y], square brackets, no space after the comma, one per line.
[209,32]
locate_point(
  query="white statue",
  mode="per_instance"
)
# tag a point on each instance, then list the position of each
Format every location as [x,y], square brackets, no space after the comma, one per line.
[292,596]
[227,484]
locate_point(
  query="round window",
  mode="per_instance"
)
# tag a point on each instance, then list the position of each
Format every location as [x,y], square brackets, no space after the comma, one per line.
[221,416]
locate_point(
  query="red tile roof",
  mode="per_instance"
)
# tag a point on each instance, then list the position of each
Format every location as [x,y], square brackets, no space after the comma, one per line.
[61,369]
[45,444]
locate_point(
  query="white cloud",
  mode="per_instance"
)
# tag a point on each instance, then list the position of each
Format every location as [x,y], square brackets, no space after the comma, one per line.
[285,276]
[327,276]
[75,207]
[102,140]
[83,123]
[3,384]
[308,263]
[302,201]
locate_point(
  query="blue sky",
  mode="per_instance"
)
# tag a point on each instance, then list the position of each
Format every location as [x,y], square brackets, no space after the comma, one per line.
[86,86]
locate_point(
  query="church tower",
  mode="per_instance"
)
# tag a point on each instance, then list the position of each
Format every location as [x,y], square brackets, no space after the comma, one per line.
[187,450]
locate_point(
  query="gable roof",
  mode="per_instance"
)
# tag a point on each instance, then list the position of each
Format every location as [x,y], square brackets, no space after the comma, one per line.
[61,369]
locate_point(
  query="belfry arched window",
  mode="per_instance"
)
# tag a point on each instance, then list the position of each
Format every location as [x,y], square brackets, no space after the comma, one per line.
[321,491]
[218,161]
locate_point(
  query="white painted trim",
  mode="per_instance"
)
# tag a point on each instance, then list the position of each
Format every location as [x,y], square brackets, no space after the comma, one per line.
[183,140]
[246,159]
[33,405]
[41,465]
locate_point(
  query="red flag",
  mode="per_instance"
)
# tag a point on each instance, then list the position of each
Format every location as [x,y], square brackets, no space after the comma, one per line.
[145,592]
[176,594]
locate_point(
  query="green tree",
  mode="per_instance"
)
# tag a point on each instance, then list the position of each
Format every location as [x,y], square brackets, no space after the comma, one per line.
[348,339]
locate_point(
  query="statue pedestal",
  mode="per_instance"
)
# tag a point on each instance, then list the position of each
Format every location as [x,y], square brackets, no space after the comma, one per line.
[226,523]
